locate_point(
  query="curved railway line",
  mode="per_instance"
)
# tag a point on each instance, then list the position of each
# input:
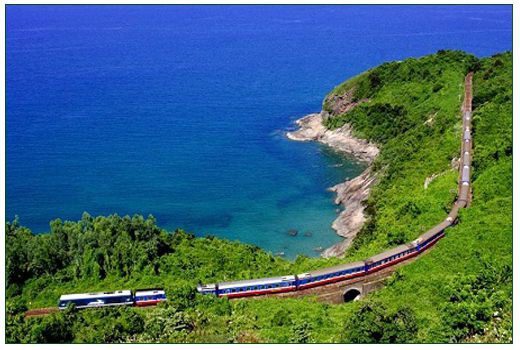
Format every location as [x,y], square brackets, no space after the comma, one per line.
[321,281]
[292,285]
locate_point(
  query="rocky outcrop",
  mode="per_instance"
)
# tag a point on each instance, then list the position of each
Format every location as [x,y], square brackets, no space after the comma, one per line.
[341,139]
[351,193]
[339,104]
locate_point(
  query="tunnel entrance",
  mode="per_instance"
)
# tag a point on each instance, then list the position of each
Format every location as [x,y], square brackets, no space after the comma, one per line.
[351,295]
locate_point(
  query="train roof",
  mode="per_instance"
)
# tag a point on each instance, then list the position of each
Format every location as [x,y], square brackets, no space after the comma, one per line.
[118,293]
[207,286]
[331,269]
[399,249]
[453,214]
[254,282]
[149,292]
[433,231]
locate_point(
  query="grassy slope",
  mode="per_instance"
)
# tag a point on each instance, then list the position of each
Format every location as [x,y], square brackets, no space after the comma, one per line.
[483,238]
[400,208]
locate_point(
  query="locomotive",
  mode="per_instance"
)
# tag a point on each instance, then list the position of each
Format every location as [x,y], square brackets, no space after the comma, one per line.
[145,297]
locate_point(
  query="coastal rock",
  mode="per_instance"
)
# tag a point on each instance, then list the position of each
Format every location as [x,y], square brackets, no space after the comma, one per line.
[337,249]
[292,232]
[351,193]
[341,139]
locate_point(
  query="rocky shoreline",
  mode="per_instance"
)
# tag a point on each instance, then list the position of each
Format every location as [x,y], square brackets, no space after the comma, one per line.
[350,193]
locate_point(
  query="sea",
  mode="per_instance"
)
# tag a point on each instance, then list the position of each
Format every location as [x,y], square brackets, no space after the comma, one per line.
[181,111]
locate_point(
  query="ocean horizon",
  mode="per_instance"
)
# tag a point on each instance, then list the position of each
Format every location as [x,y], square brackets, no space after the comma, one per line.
[181,111]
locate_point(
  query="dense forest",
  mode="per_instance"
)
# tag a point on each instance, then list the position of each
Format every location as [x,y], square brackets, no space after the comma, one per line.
[460,291]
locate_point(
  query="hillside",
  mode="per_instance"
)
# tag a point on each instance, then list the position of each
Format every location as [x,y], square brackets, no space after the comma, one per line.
[461,291]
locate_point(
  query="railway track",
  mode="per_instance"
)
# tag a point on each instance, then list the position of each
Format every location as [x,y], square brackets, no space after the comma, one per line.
[463,200]
[299,284]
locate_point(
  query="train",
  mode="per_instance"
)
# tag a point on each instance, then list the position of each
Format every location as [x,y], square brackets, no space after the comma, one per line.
[144,297]
[291,283]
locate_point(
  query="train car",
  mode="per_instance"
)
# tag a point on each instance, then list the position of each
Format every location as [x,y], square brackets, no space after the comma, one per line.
[464,194]
[211,288]
[237,289]
[466,158]
[431,236]
[466,147]
[453,215]
[465,174]
[100,299]
[390,257]
[467,116]
[467,134]
[330,275]
[149,297]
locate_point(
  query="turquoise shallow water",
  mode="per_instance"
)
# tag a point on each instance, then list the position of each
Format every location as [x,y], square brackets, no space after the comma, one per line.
[180,111]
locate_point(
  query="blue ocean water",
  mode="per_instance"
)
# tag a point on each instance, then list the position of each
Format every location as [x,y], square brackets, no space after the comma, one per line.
[180,111]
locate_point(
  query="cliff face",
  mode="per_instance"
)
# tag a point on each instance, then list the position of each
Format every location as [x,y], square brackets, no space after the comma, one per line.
[352,193]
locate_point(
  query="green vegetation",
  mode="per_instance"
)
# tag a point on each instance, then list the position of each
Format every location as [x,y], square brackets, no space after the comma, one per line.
[461,291]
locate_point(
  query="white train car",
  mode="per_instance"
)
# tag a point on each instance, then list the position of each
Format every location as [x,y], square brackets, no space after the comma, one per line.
[100,299]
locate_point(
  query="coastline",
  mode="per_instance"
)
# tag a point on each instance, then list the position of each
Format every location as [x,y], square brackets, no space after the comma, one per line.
[351,193]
